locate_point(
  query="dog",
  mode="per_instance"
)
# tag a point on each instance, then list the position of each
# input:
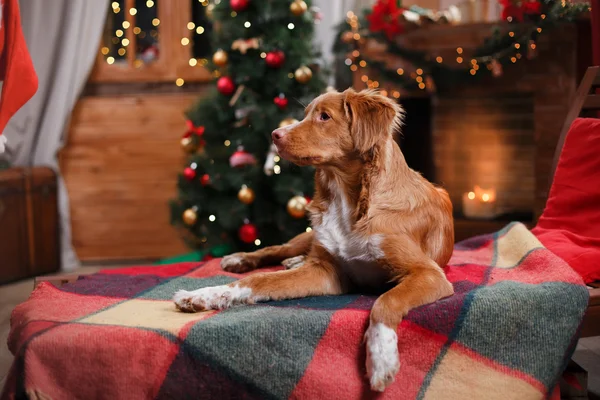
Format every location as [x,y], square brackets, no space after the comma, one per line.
[377,225]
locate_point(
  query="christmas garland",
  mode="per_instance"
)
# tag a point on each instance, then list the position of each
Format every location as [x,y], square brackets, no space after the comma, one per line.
[387,21]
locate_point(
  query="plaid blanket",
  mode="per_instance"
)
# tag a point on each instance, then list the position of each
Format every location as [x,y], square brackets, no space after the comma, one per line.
[507,333]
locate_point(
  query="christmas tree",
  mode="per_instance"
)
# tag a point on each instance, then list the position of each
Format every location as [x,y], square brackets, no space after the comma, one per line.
[234,189]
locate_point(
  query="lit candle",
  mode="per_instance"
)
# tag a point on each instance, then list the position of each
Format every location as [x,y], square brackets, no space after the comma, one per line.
[480,203]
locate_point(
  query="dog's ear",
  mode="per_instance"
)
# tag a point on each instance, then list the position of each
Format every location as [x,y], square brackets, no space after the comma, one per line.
[373,118]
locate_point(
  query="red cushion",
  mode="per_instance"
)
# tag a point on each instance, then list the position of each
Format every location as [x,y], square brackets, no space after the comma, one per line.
[570,223]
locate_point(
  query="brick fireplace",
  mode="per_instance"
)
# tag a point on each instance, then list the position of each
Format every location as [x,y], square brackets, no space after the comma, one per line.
[489,142]
[497,133]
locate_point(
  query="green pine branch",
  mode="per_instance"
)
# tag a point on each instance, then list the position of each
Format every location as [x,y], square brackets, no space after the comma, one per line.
[248,124]
[498,47]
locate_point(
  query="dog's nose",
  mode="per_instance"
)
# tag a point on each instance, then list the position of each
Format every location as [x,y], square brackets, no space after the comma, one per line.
[277,134]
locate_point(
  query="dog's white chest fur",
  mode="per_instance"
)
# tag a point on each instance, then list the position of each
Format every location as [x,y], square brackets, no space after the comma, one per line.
[355,252]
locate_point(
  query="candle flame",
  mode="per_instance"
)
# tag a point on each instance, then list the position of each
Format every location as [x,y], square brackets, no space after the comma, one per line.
[471,195]
[486,195]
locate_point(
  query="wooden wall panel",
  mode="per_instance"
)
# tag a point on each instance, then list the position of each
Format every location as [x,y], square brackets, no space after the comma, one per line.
[120,166]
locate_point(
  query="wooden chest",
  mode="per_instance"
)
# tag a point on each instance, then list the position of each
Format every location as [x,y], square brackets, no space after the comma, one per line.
[29,227]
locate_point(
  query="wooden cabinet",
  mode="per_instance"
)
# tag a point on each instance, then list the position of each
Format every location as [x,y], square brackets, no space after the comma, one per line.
[29,233]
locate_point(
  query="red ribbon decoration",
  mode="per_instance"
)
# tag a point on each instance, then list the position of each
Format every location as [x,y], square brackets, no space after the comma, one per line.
[198,130]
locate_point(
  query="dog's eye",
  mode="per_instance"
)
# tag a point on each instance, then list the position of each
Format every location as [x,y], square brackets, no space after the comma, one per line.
[324,116]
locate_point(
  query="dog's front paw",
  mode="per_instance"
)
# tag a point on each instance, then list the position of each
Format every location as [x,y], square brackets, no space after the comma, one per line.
[183,301]
[210,298]
[239,262]
[383,362]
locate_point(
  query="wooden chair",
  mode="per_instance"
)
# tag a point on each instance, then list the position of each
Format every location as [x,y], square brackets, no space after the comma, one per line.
[586,103]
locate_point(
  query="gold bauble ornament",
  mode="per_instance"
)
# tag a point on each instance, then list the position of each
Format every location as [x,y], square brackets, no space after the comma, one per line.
[296,207]
[209,11]
[303,74]
[287,121]
[246,195]
[298,7]
[188,145]
[190,216]
[220,58]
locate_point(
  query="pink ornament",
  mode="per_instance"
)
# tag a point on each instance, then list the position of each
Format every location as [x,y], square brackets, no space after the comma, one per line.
[241,158]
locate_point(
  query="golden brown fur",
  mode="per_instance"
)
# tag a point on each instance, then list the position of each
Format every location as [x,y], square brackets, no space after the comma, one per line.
[361,156]
[367,196]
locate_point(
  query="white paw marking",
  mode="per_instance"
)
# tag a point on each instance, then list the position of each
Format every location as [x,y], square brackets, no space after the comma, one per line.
[383,361]
[230,261]
[211,298]
[293,262]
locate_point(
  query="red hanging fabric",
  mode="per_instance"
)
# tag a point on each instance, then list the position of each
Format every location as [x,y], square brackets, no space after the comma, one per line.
[16,68]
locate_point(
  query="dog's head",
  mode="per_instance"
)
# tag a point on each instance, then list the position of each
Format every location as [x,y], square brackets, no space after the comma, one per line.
[338,127]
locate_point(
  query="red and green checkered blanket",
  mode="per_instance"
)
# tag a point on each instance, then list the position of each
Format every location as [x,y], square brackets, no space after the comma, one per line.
[508,332]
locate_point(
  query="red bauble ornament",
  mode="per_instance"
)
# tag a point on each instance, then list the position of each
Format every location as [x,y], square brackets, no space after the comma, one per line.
[189,173]
[275,59]
[241,158]
[248,233]
[226,86]
[281,101]
[205,180]
[239,5]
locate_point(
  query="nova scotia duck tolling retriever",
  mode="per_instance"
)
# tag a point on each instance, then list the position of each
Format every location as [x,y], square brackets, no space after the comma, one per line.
[377,225]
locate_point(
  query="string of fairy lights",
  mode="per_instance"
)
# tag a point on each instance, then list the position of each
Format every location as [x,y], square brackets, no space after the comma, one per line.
[185,41]
[120,33]
[424,81]
[119,36]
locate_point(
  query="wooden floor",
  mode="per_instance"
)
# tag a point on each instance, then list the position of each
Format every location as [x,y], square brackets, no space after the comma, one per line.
[587,354]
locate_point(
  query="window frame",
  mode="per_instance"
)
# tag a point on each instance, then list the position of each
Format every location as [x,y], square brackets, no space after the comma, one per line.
[173,61]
